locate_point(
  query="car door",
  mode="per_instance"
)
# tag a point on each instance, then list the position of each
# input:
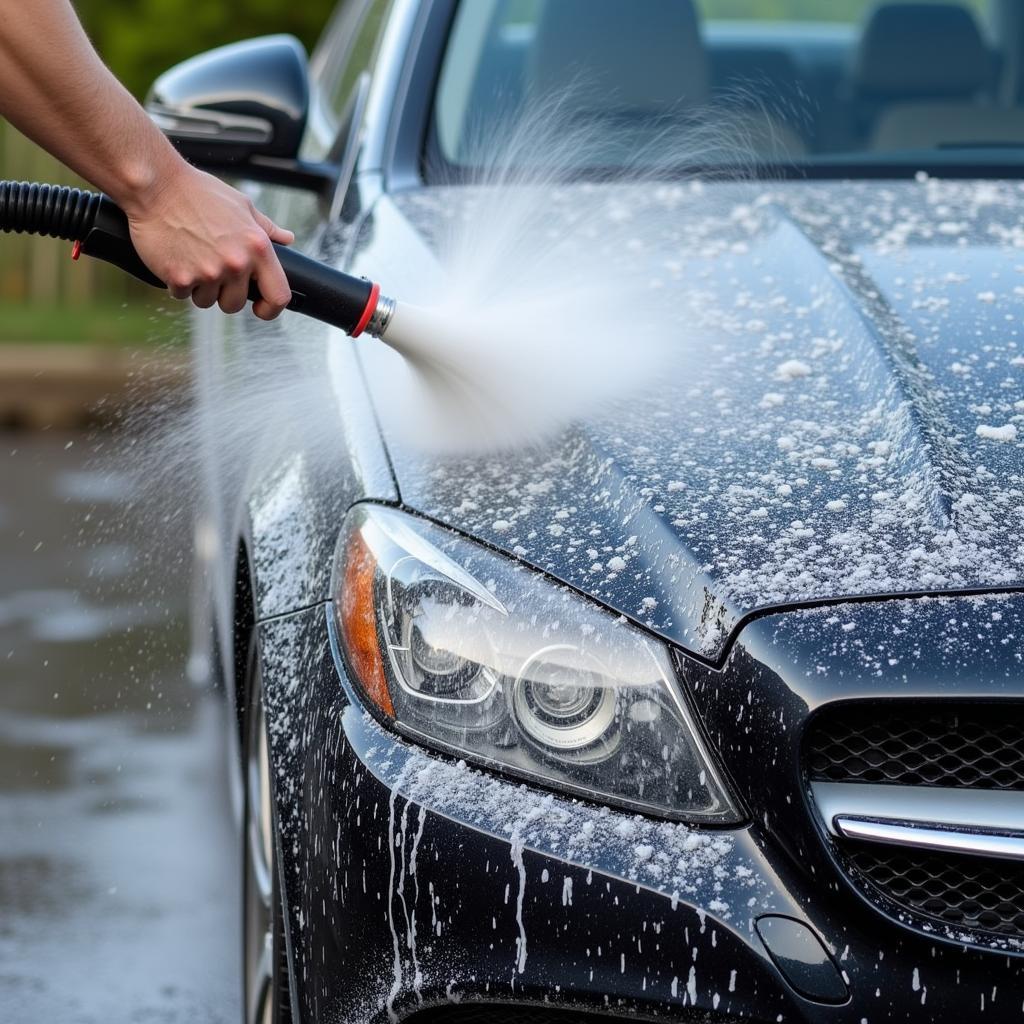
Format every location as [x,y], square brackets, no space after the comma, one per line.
[230,383]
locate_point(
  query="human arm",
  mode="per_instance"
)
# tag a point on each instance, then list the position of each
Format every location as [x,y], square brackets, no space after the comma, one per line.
[197,234]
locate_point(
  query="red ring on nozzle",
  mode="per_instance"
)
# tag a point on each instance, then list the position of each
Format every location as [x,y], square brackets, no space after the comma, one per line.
[371,308]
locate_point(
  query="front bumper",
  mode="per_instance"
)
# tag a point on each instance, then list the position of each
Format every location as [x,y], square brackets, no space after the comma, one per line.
[415,883]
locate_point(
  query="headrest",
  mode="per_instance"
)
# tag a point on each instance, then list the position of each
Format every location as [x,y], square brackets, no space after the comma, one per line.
[611,55]
[921,50]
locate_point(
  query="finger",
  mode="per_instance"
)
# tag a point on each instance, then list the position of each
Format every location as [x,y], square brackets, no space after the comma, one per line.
[273,285]
[277,234]
[206,295]
[281,235]
[180,292]
[234,295]
[267,310]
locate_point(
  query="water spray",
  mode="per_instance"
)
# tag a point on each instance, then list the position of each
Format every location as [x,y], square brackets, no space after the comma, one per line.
[99,228]
[520,337]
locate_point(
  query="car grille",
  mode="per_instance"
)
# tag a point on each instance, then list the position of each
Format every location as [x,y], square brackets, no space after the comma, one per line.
[972,893]
[973,747]
[955,745]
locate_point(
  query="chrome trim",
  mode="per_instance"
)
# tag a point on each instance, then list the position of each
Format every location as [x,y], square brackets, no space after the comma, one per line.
[381,319]
[210,125]
[1005,846]
[971,809]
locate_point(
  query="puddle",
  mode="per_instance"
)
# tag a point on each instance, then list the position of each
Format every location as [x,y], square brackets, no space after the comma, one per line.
[118,855]
[35,885]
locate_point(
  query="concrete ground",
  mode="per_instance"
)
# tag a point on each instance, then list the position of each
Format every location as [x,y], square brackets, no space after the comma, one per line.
[118,860]
[69,386]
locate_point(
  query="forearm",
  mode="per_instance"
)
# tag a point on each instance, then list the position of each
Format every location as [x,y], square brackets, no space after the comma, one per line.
[56,90]
[201,237]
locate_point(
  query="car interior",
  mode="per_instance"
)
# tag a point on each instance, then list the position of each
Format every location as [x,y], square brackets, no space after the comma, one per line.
[908,76]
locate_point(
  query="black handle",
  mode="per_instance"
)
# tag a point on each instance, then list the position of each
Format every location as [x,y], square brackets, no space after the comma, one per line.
[110,240]
[318,291]
[322,292]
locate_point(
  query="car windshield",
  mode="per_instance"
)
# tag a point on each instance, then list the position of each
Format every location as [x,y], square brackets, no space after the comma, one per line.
[706,83]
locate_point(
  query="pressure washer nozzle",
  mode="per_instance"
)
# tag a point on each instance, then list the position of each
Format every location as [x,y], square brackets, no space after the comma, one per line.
[380,320]
[99,228]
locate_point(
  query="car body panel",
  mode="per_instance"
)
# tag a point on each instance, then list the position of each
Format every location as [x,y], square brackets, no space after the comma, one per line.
[415,882]
[293,507]
[841,420]
[816,445]
[893,654]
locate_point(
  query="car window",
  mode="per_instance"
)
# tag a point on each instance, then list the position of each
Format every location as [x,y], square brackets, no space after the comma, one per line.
[348,49]
[361,53]
[724,81]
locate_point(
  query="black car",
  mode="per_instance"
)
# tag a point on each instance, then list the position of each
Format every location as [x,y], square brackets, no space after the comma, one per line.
[710,707]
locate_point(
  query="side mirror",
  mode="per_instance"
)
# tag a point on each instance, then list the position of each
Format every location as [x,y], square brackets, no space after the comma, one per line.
[242,109]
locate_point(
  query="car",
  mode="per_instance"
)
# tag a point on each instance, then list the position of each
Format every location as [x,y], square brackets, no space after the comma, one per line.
[709,707]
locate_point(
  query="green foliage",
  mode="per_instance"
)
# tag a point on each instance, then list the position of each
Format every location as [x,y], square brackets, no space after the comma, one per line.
[146,320]
[141,38]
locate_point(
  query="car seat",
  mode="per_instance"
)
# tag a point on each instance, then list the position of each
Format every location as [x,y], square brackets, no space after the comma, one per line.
[633,72]
[923,77]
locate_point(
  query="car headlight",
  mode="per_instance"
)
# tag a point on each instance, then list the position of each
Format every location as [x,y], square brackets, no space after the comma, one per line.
[473,653]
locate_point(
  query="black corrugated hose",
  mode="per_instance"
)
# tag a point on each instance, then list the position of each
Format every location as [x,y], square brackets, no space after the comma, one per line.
[100,229]
[53,210]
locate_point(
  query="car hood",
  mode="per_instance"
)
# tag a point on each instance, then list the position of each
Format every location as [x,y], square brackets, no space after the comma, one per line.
[844,423]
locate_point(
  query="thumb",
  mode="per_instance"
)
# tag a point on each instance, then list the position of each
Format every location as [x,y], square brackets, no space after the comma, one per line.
[277,234]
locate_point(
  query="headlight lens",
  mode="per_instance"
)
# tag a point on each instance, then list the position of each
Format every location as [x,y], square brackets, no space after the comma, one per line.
[468,651]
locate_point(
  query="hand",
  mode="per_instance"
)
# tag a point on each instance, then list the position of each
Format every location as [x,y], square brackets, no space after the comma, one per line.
[206,240]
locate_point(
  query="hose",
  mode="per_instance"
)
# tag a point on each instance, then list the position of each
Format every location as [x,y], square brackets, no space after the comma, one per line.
[96,225]
[53,210]
[99,228]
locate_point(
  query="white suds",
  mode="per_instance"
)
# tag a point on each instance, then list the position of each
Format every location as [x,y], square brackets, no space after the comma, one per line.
[517,860]
[792,369]
[1004,434]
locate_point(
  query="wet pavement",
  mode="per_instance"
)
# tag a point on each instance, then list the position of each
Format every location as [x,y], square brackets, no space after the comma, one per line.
[118,884]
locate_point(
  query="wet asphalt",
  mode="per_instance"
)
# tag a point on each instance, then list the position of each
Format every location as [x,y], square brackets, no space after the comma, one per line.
[118,881]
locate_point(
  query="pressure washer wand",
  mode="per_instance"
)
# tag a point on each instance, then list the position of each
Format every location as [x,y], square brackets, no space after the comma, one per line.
[99,228]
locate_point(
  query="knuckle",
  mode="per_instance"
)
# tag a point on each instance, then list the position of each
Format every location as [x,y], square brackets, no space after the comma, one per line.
[260,244]
[236,263]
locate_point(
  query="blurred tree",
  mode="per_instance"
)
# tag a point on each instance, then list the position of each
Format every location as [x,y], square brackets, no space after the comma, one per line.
[141,38]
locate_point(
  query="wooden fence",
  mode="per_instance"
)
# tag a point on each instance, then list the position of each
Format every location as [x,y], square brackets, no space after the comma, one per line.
[40,270]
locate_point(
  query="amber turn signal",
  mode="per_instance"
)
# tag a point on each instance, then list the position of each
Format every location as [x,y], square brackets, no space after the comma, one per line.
[358,620]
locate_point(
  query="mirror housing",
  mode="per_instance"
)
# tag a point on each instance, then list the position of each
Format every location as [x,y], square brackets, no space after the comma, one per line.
[241,109]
